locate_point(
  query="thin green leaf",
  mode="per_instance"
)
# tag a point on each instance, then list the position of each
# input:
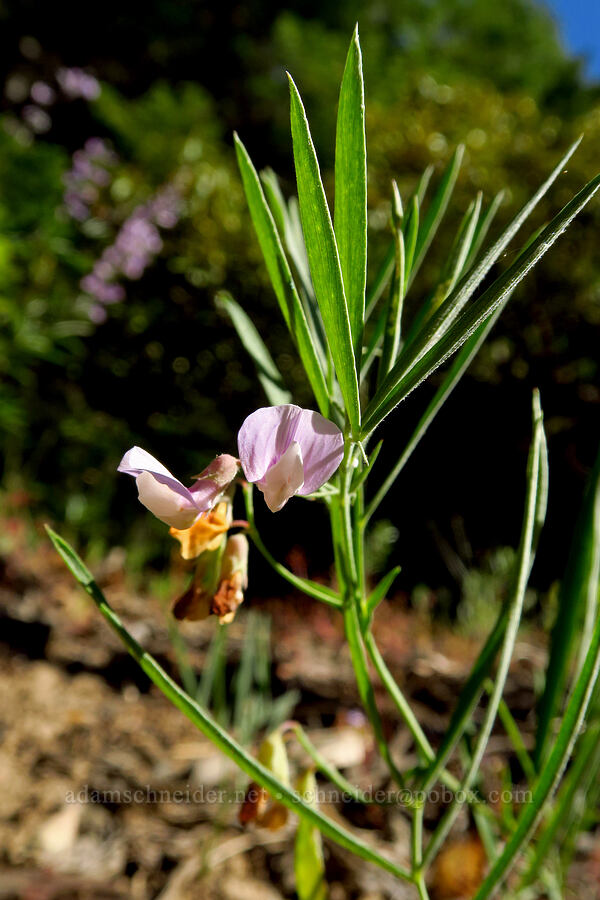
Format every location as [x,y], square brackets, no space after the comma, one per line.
[210,728]
[551,773]
[585,766]
[400,383]
[281,277]
[323,258]
[462,244]
[578,594]
[393,322]
[483,226]
[440,322]
[308,587]
[381,591]
[360,477]
[411,234]
[537,491]
[436,209]
[350,217]
[268,373]
[73,562]
[461,363]
[384,273]
[515,609]
[373,347]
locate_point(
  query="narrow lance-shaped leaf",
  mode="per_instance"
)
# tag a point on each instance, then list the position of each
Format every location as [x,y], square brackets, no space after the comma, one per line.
[551,773]
[350,217]
[323,258]
[393,326]
[452,270]
[281,277]
[212,730]
[411,235]
[397,386]
[381,591]
[436,209]
[578,592]
[533,521]
[515,609]
[387,265]
[267,371]
[440,322]
[483,226]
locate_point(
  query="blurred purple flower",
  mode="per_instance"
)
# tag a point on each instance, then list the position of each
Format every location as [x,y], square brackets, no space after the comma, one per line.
[37,119]
[75,84]
[286,450]
[166,497]
[42,93]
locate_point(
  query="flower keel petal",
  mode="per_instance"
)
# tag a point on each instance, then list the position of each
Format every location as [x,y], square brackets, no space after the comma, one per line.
[284,479]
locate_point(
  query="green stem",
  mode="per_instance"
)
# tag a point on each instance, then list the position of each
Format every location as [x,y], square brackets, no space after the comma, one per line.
[514,734]
[326,768]
[551,774]
[399,699]
[207,725]
[350,562]
[510,636]
[308,587]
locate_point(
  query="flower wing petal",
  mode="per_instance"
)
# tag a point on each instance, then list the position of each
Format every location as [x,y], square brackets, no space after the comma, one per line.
[165,503]
[159,491]
[322,445]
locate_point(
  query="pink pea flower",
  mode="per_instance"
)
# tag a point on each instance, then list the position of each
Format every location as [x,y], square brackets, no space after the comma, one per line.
[286,450]
[166,497]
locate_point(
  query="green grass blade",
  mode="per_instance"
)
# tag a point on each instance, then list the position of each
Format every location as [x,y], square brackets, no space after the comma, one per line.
[350,219]
[411,234]
[386,268]
[483,227]
[323,258]
[401,382]
[586,763]
[267,371]
[515,610]
[461,363]
[535,511]
[551,773]
[381,591]
[209,727]
[281,277]
[449,310]
[578,594]
[436,209]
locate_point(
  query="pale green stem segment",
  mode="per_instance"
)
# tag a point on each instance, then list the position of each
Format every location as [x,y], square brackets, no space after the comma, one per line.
[308,587]
[510,636]
[514,733]
[207,725]
[554,766]
[561,813]
[326,768]
[349,555]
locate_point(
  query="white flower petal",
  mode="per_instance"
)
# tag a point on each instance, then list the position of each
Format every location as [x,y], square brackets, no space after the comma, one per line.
[165,503]
[284,479]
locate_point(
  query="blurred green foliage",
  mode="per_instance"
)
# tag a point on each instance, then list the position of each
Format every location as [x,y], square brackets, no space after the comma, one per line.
[165,369]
